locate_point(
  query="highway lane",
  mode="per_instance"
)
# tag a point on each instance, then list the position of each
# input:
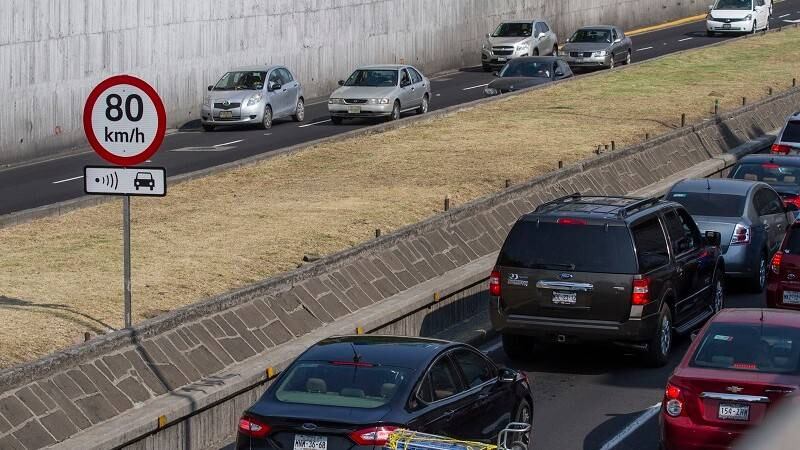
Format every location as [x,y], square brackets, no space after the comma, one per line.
[45,182]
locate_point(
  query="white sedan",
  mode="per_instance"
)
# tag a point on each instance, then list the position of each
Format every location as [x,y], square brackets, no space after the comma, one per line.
[738,16]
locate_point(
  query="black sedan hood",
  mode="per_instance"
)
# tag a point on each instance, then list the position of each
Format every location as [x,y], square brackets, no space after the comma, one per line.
[511,84]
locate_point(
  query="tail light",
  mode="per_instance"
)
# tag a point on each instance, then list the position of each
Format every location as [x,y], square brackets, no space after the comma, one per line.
[741,235]
[793,199]
[570,221]
[376,436]
[641,292]
[252,427]
[781,149]
[673,400]
[775,264]
[494,283]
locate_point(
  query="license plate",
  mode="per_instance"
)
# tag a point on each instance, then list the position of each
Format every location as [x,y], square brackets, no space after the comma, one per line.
[726,25]
[580,60]
[791,298]
[734,412]
[354,109]
[565,298]
[225,114]
[308,442]
[501,60]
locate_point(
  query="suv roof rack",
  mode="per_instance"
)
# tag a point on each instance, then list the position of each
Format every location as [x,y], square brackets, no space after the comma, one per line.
[573,196]
[625,210]
[622,210]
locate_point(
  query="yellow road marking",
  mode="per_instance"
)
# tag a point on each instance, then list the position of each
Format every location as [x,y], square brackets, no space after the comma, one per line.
[662,26]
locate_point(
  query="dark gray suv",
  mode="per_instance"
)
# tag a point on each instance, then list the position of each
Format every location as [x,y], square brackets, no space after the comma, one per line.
[616,269]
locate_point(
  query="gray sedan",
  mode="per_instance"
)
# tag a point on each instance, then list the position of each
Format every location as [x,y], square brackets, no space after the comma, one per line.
[597,47]
[380,91]
[253,95]
[750,216]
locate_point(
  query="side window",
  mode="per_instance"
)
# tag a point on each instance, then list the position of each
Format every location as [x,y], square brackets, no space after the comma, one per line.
[405,79]
[651,246]
[759,2]
[275,77]
[286,76]
[613,34]
[538,28]
[681,235]
[475,368]
[415,76]
[443,380]
[690,229]
[774,204]
[425,391]
[545,27]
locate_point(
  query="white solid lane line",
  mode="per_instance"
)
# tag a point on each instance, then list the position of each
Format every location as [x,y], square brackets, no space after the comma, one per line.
[643,49]
[314,123]
[475,87]
[68,179]
[229,143]
[685,39]
[633,426]
[785,15]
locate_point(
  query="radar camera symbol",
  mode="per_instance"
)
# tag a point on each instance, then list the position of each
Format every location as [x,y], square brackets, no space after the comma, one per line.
[111,180]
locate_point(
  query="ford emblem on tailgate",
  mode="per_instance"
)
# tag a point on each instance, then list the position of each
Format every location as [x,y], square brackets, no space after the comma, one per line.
[566,276]
[309,426]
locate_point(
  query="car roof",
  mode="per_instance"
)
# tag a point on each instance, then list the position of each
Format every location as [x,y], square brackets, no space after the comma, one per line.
[606,27]
[788,160]
[717,185]
[536,58]
[770,316]
[523,21]
[383,67]
[256,68]
[598,207]
[397,351]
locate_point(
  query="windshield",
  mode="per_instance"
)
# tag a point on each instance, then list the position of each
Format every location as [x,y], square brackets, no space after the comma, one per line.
[583,248]
[771,173]
[792,132]
[710,204]
[345,384]
[236,81]
[591,35]
[751,347]
[372,78]
[734,4]
[536,69]
[513,30]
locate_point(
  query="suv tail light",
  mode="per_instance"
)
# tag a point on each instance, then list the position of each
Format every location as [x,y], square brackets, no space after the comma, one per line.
[374,436]
[741,234]
[494,283]
[775,264]
[793,199]
[570,221]
[781,149]
[673,400]
[641,292]
[253,427]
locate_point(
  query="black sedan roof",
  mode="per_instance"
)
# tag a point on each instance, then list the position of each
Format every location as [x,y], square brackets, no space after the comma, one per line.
[396,351]
[782,160]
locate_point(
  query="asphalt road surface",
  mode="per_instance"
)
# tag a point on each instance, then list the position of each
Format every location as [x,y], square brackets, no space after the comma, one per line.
[31,185]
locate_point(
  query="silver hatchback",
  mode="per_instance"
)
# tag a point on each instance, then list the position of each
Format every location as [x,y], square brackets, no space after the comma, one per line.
[380,91]
[254,95]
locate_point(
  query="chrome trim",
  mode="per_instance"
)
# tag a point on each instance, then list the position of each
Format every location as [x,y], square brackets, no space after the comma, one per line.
[734,397]
[565,286]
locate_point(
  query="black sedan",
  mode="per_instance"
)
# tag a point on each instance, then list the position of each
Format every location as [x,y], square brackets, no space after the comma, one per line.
[352,392]
[521,73]
[780,172]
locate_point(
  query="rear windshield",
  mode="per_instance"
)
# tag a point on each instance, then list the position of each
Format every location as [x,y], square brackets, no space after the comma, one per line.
[703,204]
[792,132]
[771,173]
[582,248]
[326,383]
[524,68]
[751,347]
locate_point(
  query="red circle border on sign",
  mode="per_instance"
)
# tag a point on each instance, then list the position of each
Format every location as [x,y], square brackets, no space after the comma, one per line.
[161,130]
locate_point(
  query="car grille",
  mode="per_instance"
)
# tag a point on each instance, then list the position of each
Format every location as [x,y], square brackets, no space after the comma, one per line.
[503,51]
[228,106]
[729,20]
[355,101]
[580,54]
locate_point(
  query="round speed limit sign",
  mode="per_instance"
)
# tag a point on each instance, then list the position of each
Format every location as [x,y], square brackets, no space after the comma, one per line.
[124,120]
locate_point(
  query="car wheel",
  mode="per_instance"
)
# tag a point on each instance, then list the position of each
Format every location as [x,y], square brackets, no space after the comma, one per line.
[266,120]
[208,128]
[423,108]
[535,52]
[709,33]
[517,347]
[766,27]
[524,415]
[555,50]
[300,111]
[760,278]
[336,120]
[628,58]
[613,62]
[660,345]
[755,27]
[487,68]
[718,295]
[395,111]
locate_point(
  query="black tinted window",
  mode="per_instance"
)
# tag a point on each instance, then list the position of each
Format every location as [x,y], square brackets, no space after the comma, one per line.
[286,77]
[545,28]
[772,173]
[583,248]
[709,204]
[475,368]
[752,347]
[792,132]
[767,203]
[681,234]
[651,245]
[444,381]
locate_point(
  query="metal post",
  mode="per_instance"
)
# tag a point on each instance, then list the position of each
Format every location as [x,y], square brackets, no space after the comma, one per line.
[716,106]
[126,255]
[683,120]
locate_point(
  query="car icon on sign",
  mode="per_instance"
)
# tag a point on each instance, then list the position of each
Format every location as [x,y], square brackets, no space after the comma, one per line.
[144,179]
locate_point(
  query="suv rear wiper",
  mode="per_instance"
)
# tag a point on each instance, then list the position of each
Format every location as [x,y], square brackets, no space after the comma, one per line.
[553,266]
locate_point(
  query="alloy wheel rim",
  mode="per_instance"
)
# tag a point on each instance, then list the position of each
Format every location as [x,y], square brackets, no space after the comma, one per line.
[612,62]
[628,59]
[301,110]
[267,118]
[762,273]
[666,338]
[718,297]
[525,417]
[396,112]
[425,105]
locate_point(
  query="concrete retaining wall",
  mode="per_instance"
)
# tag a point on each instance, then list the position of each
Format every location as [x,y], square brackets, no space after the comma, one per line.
[111,390]
[53,52]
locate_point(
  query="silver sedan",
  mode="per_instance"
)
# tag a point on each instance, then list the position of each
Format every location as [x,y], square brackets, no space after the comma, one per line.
[597,47]
[380,91]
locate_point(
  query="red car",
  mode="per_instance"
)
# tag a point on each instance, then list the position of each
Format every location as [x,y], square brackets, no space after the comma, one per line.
[738,367]
[783,277]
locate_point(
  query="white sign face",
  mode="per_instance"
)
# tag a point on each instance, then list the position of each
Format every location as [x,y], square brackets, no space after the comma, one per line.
[147,181]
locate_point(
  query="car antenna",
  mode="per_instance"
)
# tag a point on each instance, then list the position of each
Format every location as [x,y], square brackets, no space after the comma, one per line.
[356,356]
[708,184]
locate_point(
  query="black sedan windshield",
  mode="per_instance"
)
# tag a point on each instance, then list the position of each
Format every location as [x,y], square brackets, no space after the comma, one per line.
[533,69]
[372,78]
[743,5]
[241,81]
[513,30]
[591,35]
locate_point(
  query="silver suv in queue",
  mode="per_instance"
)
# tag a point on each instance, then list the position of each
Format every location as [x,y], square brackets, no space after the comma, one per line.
[518,38]
[384,91]
[254,95]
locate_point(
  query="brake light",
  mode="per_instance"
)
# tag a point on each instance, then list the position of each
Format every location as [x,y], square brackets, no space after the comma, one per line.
[641,292]
[781,149]
[793,199]
[570,221]
[746,366]
[376,436]
[252,427]
[494,283]
[741,235]
[673,400]
[775,264]
[770,166]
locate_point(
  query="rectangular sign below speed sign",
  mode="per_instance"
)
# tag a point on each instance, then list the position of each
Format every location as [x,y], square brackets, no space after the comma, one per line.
[145,181]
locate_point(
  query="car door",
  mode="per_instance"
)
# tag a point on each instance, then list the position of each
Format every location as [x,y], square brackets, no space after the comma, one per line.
[615,46]
[291,89]
[762,13]
[419,85]
[277,99]
[552,41]
[562,70]
[492,402]
[775,214]
[407,100]
[686,249]
[442,405]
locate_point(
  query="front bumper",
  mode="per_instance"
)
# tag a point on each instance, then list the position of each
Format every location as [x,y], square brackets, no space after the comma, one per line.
[243,115]
[591,61]
[489,59]
[680,433]
[360,111]
[718,26]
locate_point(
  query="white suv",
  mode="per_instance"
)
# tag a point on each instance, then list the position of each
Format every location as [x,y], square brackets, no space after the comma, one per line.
[518,38]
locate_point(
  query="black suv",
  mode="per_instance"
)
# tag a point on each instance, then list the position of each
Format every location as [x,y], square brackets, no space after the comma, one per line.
[617,269]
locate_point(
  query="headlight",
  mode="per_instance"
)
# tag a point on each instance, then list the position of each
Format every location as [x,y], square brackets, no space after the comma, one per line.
[709,17]
[748,17]
[207,101]
[522,48]
[378,101]
[255,99]
[335,101]
[491,91]
[600,53]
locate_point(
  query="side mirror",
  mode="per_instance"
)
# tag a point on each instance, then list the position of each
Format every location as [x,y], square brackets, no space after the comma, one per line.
[341,82]
[488,35]
[710,8]
[507,376]
[559,73]
[568,39]
[712,238]
[210,87]
[693,336]
[617,41]
[274,86]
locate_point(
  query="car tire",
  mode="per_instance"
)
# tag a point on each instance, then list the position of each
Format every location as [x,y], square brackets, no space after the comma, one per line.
[487,68]
[755,27]
[524,414]
[266,119]
[766,27]
[628,59]
[299,111]
[516,347]
[555,50]
[759,280]
[336,120]
[423,108]
[659,347]
[613,62]
[395,112]
[710,33]
[535,52]
[718,291]
[208,128]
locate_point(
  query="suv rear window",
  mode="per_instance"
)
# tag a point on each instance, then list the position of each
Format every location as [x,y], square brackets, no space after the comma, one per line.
[757,348]
[582,248]
[792,132]
[710,204]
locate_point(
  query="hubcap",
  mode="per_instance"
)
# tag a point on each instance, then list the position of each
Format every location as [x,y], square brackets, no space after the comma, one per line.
[301,110]
[762,272]
[396,112]
[424,105]
[267,118]
[628,59]
[612,62]
[666,336]
[718,297]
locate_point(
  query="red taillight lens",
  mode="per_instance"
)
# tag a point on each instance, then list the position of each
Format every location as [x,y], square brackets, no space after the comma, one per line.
[781,149]
[673,400]
[770,166]
[775,264]
[569,221]
[741,235]
[793,199]
[253,427]
[641,292]
[372,436]
[494,283]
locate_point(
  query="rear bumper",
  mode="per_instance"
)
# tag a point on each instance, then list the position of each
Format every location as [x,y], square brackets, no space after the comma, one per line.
[775,295]
[680,433]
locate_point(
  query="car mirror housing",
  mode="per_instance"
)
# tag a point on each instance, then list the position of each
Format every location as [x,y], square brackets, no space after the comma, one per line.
[341,82]
[713,238]
[495,74]
[210,87]
[618,41]
[693,336]
[507,376]
[274,86]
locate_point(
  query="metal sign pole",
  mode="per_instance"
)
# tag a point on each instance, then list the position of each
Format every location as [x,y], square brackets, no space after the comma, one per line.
[126,239]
